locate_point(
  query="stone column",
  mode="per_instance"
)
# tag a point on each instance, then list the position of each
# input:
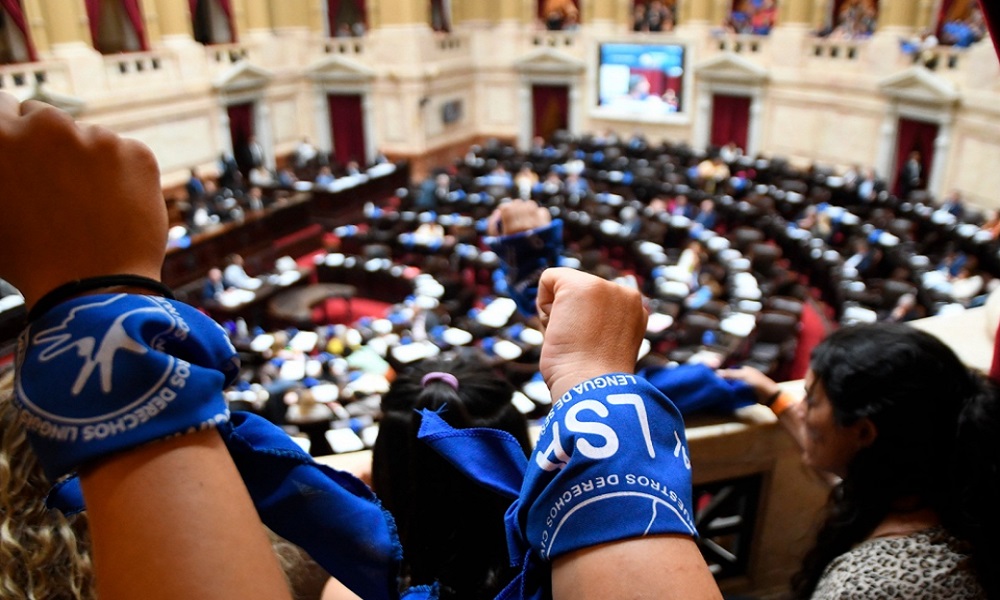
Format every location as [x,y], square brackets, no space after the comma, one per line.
[65,23]
[472,11]
[368,124]
[703,117]
[177,34]
[822,14]
[289,14]
[698,12]
[896,16]
[925,16]
[756,124]
[264,131]
[255,16]
[151,18]
[575,102]
[524,128]
[798,12]
[174,19]
[789,36]
[896,19]
[321,116]
[68,34]
[225,135]
[887,144]
[36,26]
[404,12]
[942,148]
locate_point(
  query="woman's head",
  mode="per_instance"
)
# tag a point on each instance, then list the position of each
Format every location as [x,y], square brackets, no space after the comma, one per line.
[895,412]
[884,400]
[451,528]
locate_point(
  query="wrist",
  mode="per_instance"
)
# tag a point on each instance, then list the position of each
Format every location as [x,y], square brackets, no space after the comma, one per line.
[119,283]
[770,398]
[783,402]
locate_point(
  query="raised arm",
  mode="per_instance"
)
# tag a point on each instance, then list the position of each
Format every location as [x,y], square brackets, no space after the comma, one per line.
[169,518]
[594,327]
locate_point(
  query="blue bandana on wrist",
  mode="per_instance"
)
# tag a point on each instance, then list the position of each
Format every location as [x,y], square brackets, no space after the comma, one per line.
[101,374]
[142,368]
[524,256]
[611,464]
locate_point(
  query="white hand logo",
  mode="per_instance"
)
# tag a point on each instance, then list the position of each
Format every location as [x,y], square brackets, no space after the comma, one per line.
[94,354]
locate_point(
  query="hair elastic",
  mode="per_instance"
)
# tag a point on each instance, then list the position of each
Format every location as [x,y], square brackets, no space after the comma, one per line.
[439,376]
[75,288]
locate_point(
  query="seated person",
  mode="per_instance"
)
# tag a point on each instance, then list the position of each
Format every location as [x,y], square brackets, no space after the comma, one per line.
[234,276]
[213,285]
[905,515]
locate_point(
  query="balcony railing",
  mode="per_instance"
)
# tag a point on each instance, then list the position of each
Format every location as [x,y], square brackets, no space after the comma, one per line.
[138,66]
[450,43]
[740,43]
[554,39]
[24,76]
[940,58]
[832,49]
[346,46]
[226,55]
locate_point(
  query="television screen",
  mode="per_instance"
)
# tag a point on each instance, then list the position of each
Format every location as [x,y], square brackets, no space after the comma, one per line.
[641,79]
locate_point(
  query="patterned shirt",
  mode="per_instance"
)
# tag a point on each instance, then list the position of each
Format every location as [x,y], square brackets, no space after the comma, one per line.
[925,565]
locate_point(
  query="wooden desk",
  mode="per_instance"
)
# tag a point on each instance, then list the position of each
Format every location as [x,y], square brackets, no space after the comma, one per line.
[294,307]
[259,231]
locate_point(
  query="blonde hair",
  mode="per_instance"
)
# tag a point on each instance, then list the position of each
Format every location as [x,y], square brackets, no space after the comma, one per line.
[46,556]
[43,554]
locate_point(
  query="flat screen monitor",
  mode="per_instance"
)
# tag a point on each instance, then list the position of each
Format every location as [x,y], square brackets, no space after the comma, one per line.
[641,80]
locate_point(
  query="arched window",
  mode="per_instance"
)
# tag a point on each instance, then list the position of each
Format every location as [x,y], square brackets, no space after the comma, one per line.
[559,14]
[116,26]
[960,23]
[755,17]
[346,18]
[15,39]
[213,21]
[852,19]
[654,15]
[441,15]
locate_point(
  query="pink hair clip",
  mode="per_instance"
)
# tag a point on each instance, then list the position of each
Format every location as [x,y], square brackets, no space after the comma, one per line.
[439,376]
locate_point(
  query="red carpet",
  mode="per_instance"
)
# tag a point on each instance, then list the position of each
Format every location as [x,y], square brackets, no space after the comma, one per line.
[339,311]
[815,327]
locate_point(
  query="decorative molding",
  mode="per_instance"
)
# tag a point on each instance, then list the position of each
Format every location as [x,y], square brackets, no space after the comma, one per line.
[730,67]
[547,61]
[243,76]
[340,69]
[919,85]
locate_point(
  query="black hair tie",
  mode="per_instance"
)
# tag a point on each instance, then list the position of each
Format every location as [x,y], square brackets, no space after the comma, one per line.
[75,288]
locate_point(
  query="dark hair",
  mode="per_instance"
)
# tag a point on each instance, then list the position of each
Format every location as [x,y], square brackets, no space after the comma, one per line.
[451,528]
[936,443]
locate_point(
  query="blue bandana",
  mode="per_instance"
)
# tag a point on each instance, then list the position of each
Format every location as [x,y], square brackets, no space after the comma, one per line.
[142,368]
[611,463]
[330,514]
[524,256]
[697,388]
[131,369]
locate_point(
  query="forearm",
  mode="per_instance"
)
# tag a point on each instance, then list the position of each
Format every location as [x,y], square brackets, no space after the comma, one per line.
[663,567]
[172,519]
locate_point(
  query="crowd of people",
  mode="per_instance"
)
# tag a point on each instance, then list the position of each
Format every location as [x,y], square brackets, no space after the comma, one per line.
[654,16]
[875,394]
[753,17]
